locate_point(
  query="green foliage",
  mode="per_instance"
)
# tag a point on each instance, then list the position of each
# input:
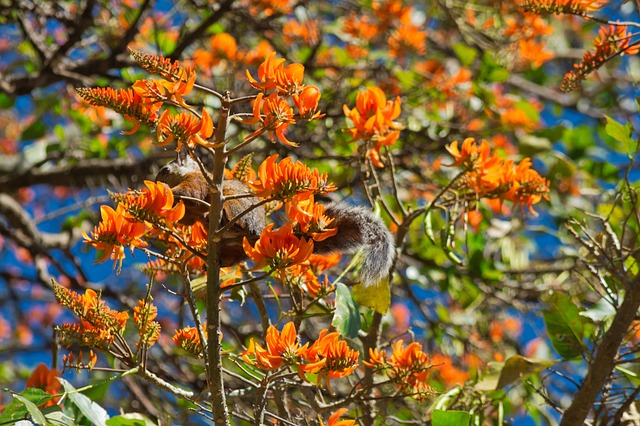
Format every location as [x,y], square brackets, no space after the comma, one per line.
[346,318]
[565,325]
[25,402]
[450,418]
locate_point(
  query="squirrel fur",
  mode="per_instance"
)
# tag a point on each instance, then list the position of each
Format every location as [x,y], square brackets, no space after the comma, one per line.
[357,226]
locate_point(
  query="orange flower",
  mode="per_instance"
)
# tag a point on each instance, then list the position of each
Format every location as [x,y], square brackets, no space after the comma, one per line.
[188,339]
[223,47]
[470,155]
[496,178]
[449,373]
[373,121]
[360,27]
[278,249]
[528,187]
[270,7]
[576,7]
[275,118]
[272,74]
[184,128]
[282,348]
[113,233]
[303,277]
[330,357]
[334,419]
[309,217]
[153,204]
[47,380]
[321,263]
[307,103]
[534,52]
[127,102]
[407,39]
[293,31]
[288,179]
[611,41]
[266,73]
[168,69]
[144,315]
[258,53]
[99,324]
[408,367]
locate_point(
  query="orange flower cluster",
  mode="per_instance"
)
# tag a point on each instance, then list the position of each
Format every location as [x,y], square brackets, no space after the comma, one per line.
[188,339]
[145,213]
[276,82]
[408,367]
[372,120]
[278,249]
[282,348]
[611,41]
[302,276]
[143,102]
[305,275]
[287,180]
[185,127]
[392,18]
[223,46]
[492,177]
[278,115]
[167,90]
[138,212]
[270,7]
[310,219]
[524,29]
[328,356]
[153,204]
[144,315]
[127,102]
[447,372]
[307,31]
[99,323]
[575,7]
[294,183]
[334,356]
[407,39]
[165,67]
[114,233]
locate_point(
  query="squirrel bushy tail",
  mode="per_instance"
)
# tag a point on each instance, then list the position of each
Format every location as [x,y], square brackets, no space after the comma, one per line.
[359,228]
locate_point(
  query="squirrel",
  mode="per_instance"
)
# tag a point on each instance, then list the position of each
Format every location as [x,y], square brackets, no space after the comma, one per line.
[357,226]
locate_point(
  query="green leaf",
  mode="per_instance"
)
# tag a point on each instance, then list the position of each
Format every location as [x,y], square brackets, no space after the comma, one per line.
[17,409]
[6,101]
[450,418]
[621,134]
[517,367]
[92,411]
[346,318]
[133,419]
[376,297]
[35,131]
[564,325]
[498,75]
[56,417]
[36,414]
[466,54]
